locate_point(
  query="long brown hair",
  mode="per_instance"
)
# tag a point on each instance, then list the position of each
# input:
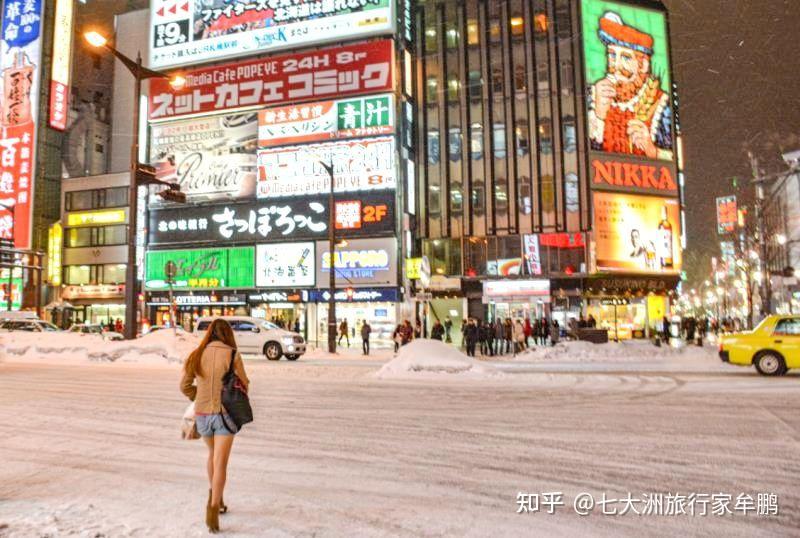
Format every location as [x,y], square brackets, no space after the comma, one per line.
[219,331]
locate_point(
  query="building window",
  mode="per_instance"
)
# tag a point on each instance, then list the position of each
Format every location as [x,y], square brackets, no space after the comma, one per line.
[455,144]
[546,136]
[570,138]
[96,199]
[431,43]
[433,89]
[476,142]
[96,236]
[475,85]
[571,192]
[497,80]
[521,138]
[116,197]
[78,237]
[451,38]
[435,200]
[453,87]
[566,76]
[540,24]
[494,31]
[520,80]
[473,35]
[77,200]
[114,273]
[499,140]
[524,199]
[501,196]
[433,146]
[456,199]
[78,275]
[112,235]
[478,195]
[517,26]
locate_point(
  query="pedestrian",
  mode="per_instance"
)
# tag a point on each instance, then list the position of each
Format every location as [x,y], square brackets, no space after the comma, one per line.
[591,322]
[519,337]
[397,337]
[437,331]
[448,326]
[555,332]
[572,330]
[481,332]
[343,333]
[544,331]
[297,325]
[119,327]
[508,334]
[202,381]
[365,332]
[418,329]
[528,329]
[406,333]
[470,337]
[499,336]
[489,335]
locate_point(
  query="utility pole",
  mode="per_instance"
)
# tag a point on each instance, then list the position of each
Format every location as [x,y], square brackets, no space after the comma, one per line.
[332,256]
[766,290]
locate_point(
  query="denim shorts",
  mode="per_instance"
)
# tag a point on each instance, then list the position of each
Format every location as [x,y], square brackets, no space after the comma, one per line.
[211,425]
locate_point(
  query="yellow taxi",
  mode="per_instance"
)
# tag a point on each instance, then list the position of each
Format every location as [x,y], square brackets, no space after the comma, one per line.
[772,347]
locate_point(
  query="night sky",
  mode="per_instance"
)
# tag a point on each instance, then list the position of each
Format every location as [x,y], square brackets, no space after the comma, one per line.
[737,64]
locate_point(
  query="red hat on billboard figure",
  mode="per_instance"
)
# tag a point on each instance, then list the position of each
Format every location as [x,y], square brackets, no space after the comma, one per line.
[613,31]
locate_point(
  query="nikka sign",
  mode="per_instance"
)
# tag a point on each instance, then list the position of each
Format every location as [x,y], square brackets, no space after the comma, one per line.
[622,174]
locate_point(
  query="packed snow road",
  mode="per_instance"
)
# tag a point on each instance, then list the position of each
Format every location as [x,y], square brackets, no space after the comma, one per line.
[94,450]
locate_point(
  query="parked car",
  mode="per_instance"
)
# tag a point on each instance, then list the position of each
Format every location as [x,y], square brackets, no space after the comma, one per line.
[773,347]
[254,335]
[27,325]
[86,328]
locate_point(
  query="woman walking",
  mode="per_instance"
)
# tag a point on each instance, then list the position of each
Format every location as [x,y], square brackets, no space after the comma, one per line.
[202,383]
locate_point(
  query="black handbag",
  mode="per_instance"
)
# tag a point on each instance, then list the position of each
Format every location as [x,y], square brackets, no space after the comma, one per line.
[235,399]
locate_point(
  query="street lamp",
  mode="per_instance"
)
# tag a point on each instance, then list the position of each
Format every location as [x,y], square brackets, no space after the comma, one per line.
[331,252]
[139,73]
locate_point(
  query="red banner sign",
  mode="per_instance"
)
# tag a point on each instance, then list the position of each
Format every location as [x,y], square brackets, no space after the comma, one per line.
[291,78]
[628,175]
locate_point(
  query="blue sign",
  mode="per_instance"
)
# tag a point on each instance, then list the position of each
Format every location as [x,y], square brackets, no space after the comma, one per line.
[22,22]
[362,295]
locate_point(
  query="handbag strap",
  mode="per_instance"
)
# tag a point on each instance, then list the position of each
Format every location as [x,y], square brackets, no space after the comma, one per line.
[233,358]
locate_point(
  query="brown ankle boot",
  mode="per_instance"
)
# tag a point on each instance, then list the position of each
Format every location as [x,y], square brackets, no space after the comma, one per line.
[223,508]
[212,518]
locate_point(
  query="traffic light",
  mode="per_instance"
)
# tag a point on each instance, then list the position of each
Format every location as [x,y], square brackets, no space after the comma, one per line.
[173,194]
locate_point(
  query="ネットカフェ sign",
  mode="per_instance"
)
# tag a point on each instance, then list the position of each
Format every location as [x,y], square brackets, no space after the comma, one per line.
[283,219]
[320,74]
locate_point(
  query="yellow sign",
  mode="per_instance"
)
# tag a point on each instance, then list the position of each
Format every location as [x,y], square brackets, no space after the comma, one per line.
[413,266]
[93,218]
[55,240]
[637,234]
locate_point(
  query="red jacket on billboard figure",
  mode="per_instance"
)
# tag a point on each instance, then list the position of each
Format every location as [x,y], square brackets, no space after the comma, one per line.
[629,113]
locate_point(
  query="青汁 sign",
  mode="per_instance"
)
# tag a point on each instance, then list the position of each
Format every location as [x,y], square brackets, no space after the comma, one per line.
[285,265]
[193,31]
[636,234]
[320,74]
[358,165]
[210,157]
[202,268]
[360,263]
[283,219]
[20,54]
[326,120]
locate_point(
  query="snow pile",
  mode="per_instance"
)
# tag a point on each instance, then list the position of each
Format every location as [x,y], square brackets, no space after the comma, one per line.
[633,350]
[426,357]
[160,347]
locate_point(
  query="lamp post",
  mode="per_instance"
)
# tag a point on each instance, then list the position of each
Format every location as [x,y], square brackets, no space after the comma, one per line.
[139,73]
[9,298]
[331,251]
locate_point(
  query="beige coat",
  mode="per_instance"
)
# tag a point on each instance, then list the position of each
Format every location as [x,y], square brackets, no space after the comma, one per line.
[207,392]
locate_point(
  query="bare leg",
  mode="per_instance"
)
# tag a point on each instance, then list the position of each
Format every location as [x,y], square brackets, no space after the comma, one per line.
[222,451]
[210,463]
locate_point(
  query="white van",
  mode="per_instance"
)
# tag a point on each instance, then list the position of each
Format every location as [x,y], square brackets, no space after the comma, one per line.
[254,335]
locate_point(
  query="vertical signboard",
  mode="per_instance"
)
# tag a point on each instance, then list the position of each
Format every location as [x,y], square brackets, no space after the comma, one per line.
[59,78]
[20,55]
[727,214]
[55,238]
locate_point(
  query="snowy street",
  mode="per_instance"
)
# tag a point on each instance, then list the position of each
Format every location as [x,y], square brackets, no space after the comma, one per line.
[93,449]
